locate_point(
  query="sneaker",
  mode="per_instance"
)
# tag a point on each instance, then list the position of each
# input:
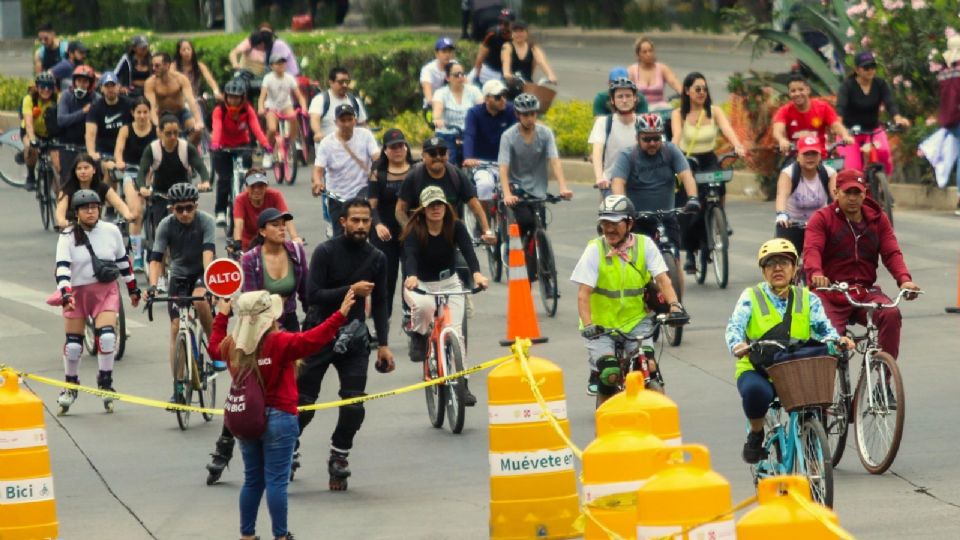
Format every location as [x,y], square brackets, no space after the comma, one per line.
[957,211]
[30,185]
[267,161]
[690,267]
[221,219]
[593,383]
[138,265]
[753,448]
[469,399]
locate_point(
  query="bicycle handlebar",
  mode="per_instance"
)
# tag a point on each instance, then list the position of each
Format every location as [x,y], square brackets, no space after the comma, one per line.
[672,319]
[843,287]
[179,300]
[464,292]
[659,214]
[888,126]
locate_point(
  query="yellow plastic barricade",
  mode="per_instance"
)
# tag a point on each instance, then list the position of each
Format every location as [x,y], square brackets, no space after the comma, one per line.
[780,516]
[28,510]
[533,485]
[663,411]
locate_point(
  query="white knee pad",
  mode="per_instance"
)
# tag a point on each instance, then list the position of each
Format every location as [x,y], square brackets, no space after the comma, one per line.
[73,349]
[106,340]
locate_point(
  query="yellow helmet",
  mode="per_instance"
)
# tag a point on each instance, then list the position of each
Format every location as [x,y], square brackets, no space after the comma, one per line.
[777,246]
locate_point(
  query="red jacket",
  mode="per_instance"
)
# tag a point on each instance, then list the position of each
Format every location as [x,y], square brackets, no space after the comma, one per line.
[831,248]
[280,349]
[231,131]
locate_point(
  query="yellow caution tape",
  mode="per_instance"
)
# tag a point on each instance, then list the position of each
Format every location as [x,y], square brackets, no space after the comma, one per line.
[810,507]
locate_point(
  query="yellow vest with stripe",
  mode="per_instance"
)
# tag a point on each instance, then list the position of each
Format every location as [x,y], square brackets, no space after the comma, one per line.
[617,298]
[764,316]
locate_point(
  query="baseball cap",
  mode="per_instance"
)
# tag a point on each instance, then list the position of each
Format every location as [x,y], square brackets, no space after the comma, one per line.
[272,214]
[108,77]
[393,136]
[443,42]
[277,57]
[139,41]
[77,46]
[865,58]
[806,144]
[850,178]
[519,23]
[256,178]
[431,194]
[494,87]
[618,72]
[343,110]
[433,143]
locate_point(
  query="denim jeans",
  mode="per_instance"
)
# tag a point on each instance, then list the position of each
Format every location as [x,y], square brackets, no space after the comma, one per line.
[266,464]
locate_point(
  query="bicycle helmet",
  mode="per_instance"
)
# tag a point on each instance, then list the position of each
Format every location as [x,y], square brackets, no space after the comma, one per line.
[236,87]
[506,15]
[777,246]
[620,83]
[649,123]
[84,71]
[183,191]
[45,78]
[616,208]
[84,197]
[526,103]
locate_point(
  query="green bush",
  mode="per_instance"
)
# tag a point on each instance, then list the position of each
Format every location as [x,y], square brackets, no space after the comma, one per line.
[571,122]
[12,90]
[385,65]
[411,123]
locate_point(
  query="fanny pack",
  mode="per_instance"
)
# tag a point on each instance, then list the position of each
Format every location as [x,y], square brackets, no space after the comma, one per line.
[105,271]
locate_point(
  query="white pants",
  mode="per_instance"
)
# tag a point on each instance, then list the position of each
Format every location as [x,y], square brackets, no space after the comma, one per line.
[423,306]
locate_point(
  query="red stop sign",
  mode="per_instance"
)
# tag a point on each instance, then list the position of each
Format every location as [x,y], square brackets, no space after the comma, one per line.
[223,277]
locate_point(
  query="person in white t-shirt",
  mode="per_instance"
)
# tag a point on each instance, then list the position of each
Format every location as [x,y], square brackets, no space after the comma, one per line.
[343,164]
[323,105]
[276,99]
[433,74]
[450,105]
[613,133]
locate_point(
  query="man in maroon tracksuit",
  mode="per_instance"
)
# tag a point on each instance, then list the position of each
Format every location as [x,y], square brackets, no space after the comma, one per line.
[845,242]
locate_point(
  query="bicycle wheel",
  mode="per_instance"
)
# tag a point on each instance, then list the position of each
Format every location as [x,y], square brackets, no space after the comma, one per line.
[547,274]
[501,247]
[182,364]
[816,458]
[89,337]
[719,244]
[879,423]
[208,385]
[836,417]
[43,193]
[703,260]
[436,395]
[121,329]
[882,194]
[456,389]
[11,172]
[673,334]
[291,166]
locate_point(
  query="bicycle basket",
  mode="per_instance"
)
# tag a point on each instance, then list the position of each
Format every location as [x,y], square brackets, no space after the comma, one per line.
[804,382]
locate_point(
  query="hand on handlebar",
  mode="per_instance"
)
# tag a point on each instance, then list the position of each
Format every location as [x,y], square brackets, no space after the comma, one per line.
[203,186]
[317,188]
[510,200]
[820,281]
[603,183]
[592,331]
[471,163]
[784,146]
[782,219]
[910,286]
[411,283]
[692,206]
[845,344]
[481,280]
[566,194]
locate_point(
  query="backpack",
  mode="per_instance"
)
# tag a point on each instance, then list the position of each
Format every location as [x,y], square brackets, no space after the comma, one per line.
[245,409]
[326,104]
[182,153]
[606,137]
[821,172]
[50,120]
[419,178]
[64,44]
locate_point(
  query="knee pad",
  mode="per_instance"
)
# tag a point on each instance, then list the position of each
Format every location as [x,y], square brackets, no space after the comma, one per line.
[352,415]
[106,340]
[609,369]
[73,349]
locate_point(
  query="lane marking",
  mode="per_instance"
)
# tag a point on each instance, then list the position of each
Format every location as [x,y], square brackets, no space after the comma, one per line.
[38,300]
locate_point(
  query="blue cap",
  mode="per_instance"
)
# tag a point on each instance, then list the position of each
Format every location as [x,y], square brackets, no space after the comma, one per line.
[443,42]
[618,72]
[108,77]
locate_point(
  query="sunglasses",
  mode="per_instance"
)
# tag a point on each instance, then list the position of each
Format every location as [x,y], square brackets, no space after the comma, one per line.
[184,208]
[169,133]
[438,153]
[651,139]
[458,74]
[699,89]
[44,87]
[499,97]
[342,81]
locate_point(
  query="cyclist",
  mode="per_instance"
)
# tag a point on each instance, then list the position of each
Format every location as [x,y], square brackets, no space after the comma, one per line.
[72,111]
[323,106]
[433,73]
[845,242]
[83,295]
[773,310]
[431,240]
[482,130]
[190,236]
[252,53]
[64,70]
[520,56]
[108,113]
[34,130]
[170,92]
[276,100]
[343,162]
[858,104]
[233,121]
[450,106]
[804,116]
[51,50]
[489,63]
[85,174]
[614,131]
[134,67]
[132,140]
[803,187]
[185,61]
[257,198]
[650,76]
[611,275]
[602,104]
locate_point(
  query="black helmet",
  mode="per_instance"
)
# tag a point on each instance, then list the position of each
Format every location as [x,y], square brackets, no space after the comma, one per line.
[184,191]
[620,83]
[45,78]
[84,197]
[526,103]
[236,87]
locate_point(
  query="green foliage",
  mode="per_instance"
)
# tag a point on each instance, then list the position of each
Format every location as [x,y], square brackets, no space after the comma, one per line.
[641,15]
[393,13]
[571,122]
[411,123]
[12,90]
[71,16]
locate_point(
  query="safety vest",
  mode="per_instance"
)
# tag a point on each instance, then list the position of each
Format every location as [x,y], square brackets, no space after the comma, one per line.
[617,298]
[764,316]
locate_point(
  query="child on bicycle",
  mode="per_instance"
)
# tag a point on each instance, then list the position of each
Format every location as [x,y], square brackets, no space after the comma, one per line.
[276,100]
[233,121]
[773,310]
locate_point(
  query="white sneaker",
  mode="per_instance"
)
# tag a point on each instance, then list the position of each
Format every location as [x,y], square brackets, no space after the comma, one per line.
[267,161]
[221,219]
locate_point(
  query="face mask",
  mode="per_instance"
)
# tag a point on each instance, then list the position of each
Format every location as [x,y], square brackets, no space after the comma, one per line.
[79,93]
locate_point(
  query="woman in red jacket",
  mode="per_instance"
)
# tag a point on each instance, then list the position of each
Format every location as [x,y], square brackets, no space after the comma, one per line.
[233,121]
[258,343]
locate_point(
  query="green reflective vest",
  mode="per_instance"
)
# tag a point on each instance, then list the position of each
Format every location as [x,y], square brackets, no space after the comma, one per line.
[764,316]
[617,298]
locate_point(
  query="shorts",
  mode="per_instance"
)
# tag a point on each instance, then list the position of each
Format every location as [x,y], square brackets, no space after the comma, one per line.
[604,346]
[182,115]
[485,179]
[182,286]
[93,299]
[671,225]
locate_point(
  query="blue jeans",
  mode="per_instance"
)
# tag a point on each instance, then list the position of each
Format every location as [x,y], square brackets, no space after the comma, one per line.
[451,140]
[266,464]
[756,391]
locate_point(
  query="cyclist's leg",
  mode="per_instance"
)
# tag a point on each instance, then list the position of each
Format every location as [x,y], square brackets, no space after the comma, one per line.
[852,157]
[352,372]
[223,166]
[272,126]
[202,306]
[421,309]
[188,122]
[756,393]
[524,218]
[632,348]
[672,227]
[883,150]
[889,321]
[294,129]
[837,308]
[601,347]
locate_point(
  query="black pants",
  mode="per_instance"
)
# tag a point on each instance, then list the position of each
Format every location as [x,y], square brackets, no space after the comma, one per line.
[393,249]
[793,234]
[223,167]
[693,230]
[648,227]
[352,372]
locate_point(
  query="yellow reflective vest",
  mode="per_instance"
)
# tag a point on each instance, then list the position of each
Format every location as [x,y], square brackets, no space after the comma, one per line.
[764,316]
[617,298]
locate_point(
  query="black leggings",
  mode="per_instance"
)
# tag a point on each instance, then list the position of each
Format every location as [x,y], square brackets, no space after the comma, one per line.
[352,372]
[223,167]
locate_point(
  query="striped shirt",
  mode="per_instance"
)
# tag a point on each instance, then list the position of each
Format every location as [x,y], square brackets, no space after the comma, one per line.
[74,265]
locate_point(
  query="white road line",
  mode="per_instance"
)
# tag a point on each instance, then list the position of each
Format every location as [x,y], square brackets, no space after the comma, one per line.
[11,327]
[38,300]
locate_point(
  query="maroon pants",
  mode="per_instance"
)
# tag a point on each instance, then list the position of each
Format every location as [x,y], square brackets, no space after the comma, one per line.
[888,320]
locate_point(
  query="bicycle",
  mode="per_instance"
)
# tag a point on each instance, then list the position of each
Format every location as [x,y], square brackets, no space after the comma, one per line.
[869,407]
[326,227]
[445,357]
[715,248]
[537,247]
[488,172]
[12,169]
[877,179]
[290,148]
[795,442]
[195,378]
[238,154]
[673,335]
[120,329]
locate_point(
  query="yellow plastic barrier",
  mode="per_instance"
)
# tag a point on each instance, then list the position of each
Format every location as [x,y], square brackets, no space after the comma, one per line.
[782,516]
[684,494]
[28,510]
[663,411]
[533,485]
[619,461]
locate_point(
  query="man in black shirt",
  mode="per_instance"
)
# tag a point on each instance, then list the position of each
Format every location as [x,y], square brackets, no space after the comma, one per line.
[105,118]
[341,263]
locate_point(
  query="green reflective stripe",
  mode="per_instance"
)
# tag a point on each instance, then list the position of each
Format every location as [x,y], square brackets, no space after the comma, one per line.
[761,303]
[797,300]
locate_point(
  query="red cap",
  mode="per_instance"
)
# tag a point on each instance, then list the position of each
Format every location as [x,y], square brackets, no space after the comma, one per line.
[851,179]
[807,144]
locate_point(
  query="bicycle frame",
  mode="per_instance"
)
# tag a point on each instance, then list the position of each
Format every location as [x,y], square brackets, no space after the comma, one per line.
[441,328]
[787,440]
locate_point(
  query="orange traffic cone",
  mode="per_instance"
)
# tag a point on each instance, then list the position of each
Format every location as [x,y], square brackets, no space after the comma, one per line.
[521,317]
[955,308]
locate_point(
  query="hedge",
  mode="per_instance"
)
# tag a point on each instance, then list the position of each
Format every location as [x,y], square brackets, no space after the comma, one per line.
[12,90]
[571,122]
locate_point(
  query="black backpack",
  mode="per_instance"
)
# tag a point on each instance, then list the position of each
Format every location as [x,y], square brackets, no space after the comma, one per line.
[50,119]
[353,101]
[821,172]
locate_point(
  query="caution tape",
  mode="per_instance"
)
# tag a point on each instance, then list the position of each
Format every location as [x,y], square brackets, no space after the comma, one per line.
[811,508]
[147,402]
